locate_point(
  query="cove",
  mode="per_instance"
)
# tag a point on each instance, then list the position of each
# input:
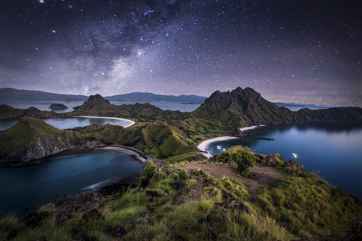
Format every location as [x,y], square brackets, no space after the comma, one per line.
[75,122]
[334,152]
[26,188]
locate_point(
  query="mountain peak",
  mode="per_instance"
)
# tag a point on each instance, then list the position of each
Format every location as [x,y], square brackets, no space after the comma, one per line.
[237,90]
[97,98]
[240,107]
[95,103]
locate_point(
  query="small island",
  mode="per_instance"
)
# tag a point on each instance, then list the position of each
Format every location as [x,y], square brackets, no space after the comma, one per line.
[58,107]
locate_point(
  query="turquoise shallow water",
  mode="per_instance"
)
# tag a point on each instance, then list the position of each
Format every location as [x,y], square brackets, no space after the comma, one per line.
[68,123]
[333,152]
[25,188]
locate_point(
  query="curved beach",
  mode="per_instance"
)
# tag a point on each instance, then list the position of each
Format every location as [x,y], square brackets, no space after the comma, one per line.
[131,123]
[204,145]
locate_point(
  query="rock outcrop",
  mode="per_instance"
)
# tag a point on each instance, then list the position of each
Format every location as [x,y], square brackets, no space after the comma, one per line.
[58,107]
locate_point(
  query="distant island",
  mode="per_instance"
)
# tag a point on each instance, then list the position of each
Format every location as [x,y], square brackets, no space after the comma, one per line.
[58,107]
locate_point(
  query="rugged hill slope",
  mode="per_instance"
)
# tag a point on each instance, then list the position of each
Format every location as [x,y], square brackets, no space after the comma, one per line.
[96,104]
[276,201]
[8,112]
[32,139]
[243,107]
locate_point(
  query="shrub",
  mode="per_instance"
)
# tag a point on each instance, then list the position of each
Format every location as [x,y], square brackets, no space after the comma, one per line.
[244,160]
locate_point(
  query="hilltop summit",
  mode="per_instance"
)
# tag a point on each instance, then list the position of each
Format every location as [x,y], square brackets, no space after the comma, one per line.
[244,107]
[96,104]
[241,107]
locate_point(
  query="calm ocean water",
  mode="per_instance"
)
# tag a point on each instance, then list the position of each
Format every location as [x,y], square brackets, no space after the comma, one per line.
[31,186]
[333,152]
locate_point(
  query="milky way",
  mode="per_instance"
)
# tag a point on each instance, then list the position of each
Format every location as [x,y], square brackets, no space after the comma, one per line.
[296,51]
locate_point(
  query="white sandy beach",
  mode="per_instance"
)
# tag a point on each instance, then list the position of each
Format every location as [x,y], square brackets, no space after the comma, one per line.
[131,123]
[249,128]
[127,151]
[204,145]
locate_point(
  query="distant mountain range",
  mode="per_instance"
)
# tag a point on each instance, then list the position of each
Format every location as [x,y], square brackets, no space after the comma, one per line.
[8,95]
[150,97]
[11,95]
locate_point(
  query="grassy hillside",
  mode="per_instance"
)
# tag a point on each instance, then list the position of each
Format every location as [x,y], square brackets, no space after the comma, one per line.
[30,135]
[175,202]
[33,139]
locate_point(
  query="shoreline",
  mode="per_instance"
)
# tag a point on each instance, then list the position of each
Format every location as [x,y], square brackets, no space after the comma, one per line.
[138,155]
[97,187]
[203,146]
[135,153]
[249,128]
[131,122]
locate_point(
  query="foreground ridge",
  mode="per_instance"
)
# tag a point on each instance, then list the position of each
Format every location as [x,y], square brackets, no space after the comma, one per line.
[238,195]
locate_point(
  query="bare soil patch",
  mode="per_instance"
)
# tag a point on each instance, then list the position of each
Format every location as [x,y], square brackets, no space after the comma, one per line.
[259,175]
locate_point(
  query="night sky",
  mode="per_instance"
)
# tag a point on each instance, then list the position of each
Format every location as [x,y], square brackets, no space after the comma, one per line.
[295,50]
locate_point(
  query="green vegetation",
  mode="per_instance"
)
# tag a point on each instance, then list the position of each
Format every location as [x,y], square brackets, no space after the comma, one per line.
[174,203]
[26,139]
[308,206]
[33,139]
[238,195]
[242,157]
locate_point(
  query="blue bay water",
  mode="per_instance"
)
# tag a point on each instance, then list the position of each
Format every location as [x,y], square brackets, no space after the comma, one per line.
[25,188]
[334,153]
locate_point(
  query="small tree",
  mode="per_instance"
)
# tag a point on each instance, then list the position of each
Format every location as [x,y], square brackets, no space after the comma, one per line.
[244,161]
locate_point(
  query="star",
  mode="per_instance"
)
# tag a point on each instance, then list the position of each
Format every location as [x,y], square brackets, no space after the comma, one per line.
[41,1]
[140,52]
[54,31]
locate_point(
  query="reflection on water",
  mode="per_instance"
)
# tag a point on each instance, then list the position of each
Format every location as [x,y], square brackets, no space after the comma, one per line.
[58,176]
[332,151]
